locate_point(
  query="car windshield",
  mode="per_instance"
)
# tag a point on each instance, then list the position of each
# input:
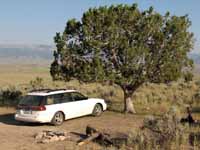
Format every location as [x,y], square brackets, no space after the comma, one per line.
[32,100]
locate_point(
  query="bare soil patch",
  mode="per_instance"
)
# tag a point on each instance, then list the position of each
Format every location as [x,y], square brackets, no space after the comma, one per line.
[20,136]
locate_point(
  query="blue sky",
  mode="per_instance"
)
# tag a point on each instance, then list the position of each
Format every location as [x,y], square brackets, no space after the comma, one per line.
[37,21]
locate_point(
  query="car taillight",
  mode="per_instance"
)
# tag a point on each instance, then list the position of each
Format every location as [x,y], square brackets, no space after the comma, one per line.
[38,108]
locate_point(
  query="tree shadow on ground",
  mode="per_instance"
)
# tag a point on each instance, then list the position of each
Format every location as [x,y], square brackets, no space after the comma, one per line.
[10,120]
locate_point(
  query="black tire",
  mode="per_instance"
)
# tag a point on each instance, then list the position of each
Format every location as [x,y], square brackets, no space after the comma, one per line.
[58,119]
[97,111]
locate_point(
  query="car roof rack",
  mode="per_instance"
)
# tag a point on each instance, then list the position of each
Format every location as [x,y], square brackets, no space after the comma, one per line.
[47,90]
[40,90]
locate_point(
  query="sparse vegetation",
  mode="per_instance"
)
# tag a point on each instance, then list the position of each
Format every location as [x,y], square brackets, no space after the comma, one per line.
[150,99]
[188,76]
[38,83]
[137,60]
[160,131]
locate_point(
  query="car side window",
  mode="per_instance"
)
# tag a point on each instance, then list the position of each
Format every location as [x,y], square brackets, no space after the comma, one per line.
[77,96]
[54,99]
[49,100]
[66,98]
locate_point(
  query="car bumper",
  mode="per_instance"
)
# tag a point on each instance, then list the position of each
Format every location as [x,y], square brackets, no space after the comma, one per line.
[24,118]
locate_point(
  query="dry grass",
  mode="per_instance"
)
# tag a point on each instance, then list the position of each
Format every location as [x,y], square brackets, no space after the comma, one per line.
[22,74]
[153,99]
[149,98]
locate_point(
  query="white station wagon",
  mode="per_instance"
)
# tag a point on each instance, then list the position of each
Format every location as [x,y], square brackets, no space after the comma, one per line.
[55,106]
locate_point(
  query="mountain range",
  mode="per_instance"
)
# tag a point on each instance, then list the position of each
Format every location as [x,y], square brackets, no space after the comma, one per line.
[37,53]
[25,53]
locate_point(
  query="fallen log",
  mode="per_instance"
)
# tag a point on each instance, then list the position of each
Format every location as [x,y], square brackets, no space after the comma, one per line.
[104,138]
[89,138]
[94,134]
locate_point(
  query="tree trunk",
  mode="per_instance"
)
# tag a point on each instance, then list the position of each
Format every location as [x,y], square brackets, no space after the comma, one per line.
[128,105]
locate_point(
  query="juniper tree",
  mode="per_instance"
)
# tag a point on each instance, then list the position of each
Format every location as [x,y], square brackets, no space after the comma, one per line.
[125,46]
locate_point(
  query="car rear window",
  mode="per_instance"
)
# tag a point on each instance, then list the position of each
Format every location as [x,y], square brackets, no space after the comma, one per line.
[32,100]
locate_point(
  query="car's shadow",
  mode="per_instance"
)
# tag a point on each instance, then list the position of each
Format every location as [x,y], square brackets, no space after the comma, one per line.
[10,120]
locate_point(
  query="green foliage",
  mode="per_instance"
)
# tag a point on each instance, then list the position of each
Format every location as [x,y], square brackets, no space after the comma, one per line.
[10,96]
[123,45]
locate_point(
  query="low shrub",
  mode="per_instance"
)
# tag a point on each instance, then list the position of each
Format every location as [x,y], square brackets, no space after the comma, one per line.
[159,132]
[10,96]
[188,76]
[37,83]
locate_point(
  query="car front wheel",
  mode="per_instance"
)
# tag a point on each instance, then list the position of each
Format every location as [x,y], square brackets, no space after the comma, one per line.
[58,119]
[97,111]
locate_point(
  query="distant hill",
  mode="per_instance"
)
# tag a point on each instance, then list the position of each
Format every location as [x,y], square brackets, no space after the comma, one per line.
[12,53]
[25,53]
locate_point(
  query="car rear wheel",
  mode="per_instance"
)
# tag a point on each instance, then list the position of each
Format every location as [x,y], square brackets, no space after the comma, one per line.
[97,111]
[58,119]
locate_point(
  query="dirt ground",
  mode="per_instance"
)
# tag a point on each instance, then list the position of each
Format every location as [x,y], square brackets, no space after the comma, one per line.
[17,136]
